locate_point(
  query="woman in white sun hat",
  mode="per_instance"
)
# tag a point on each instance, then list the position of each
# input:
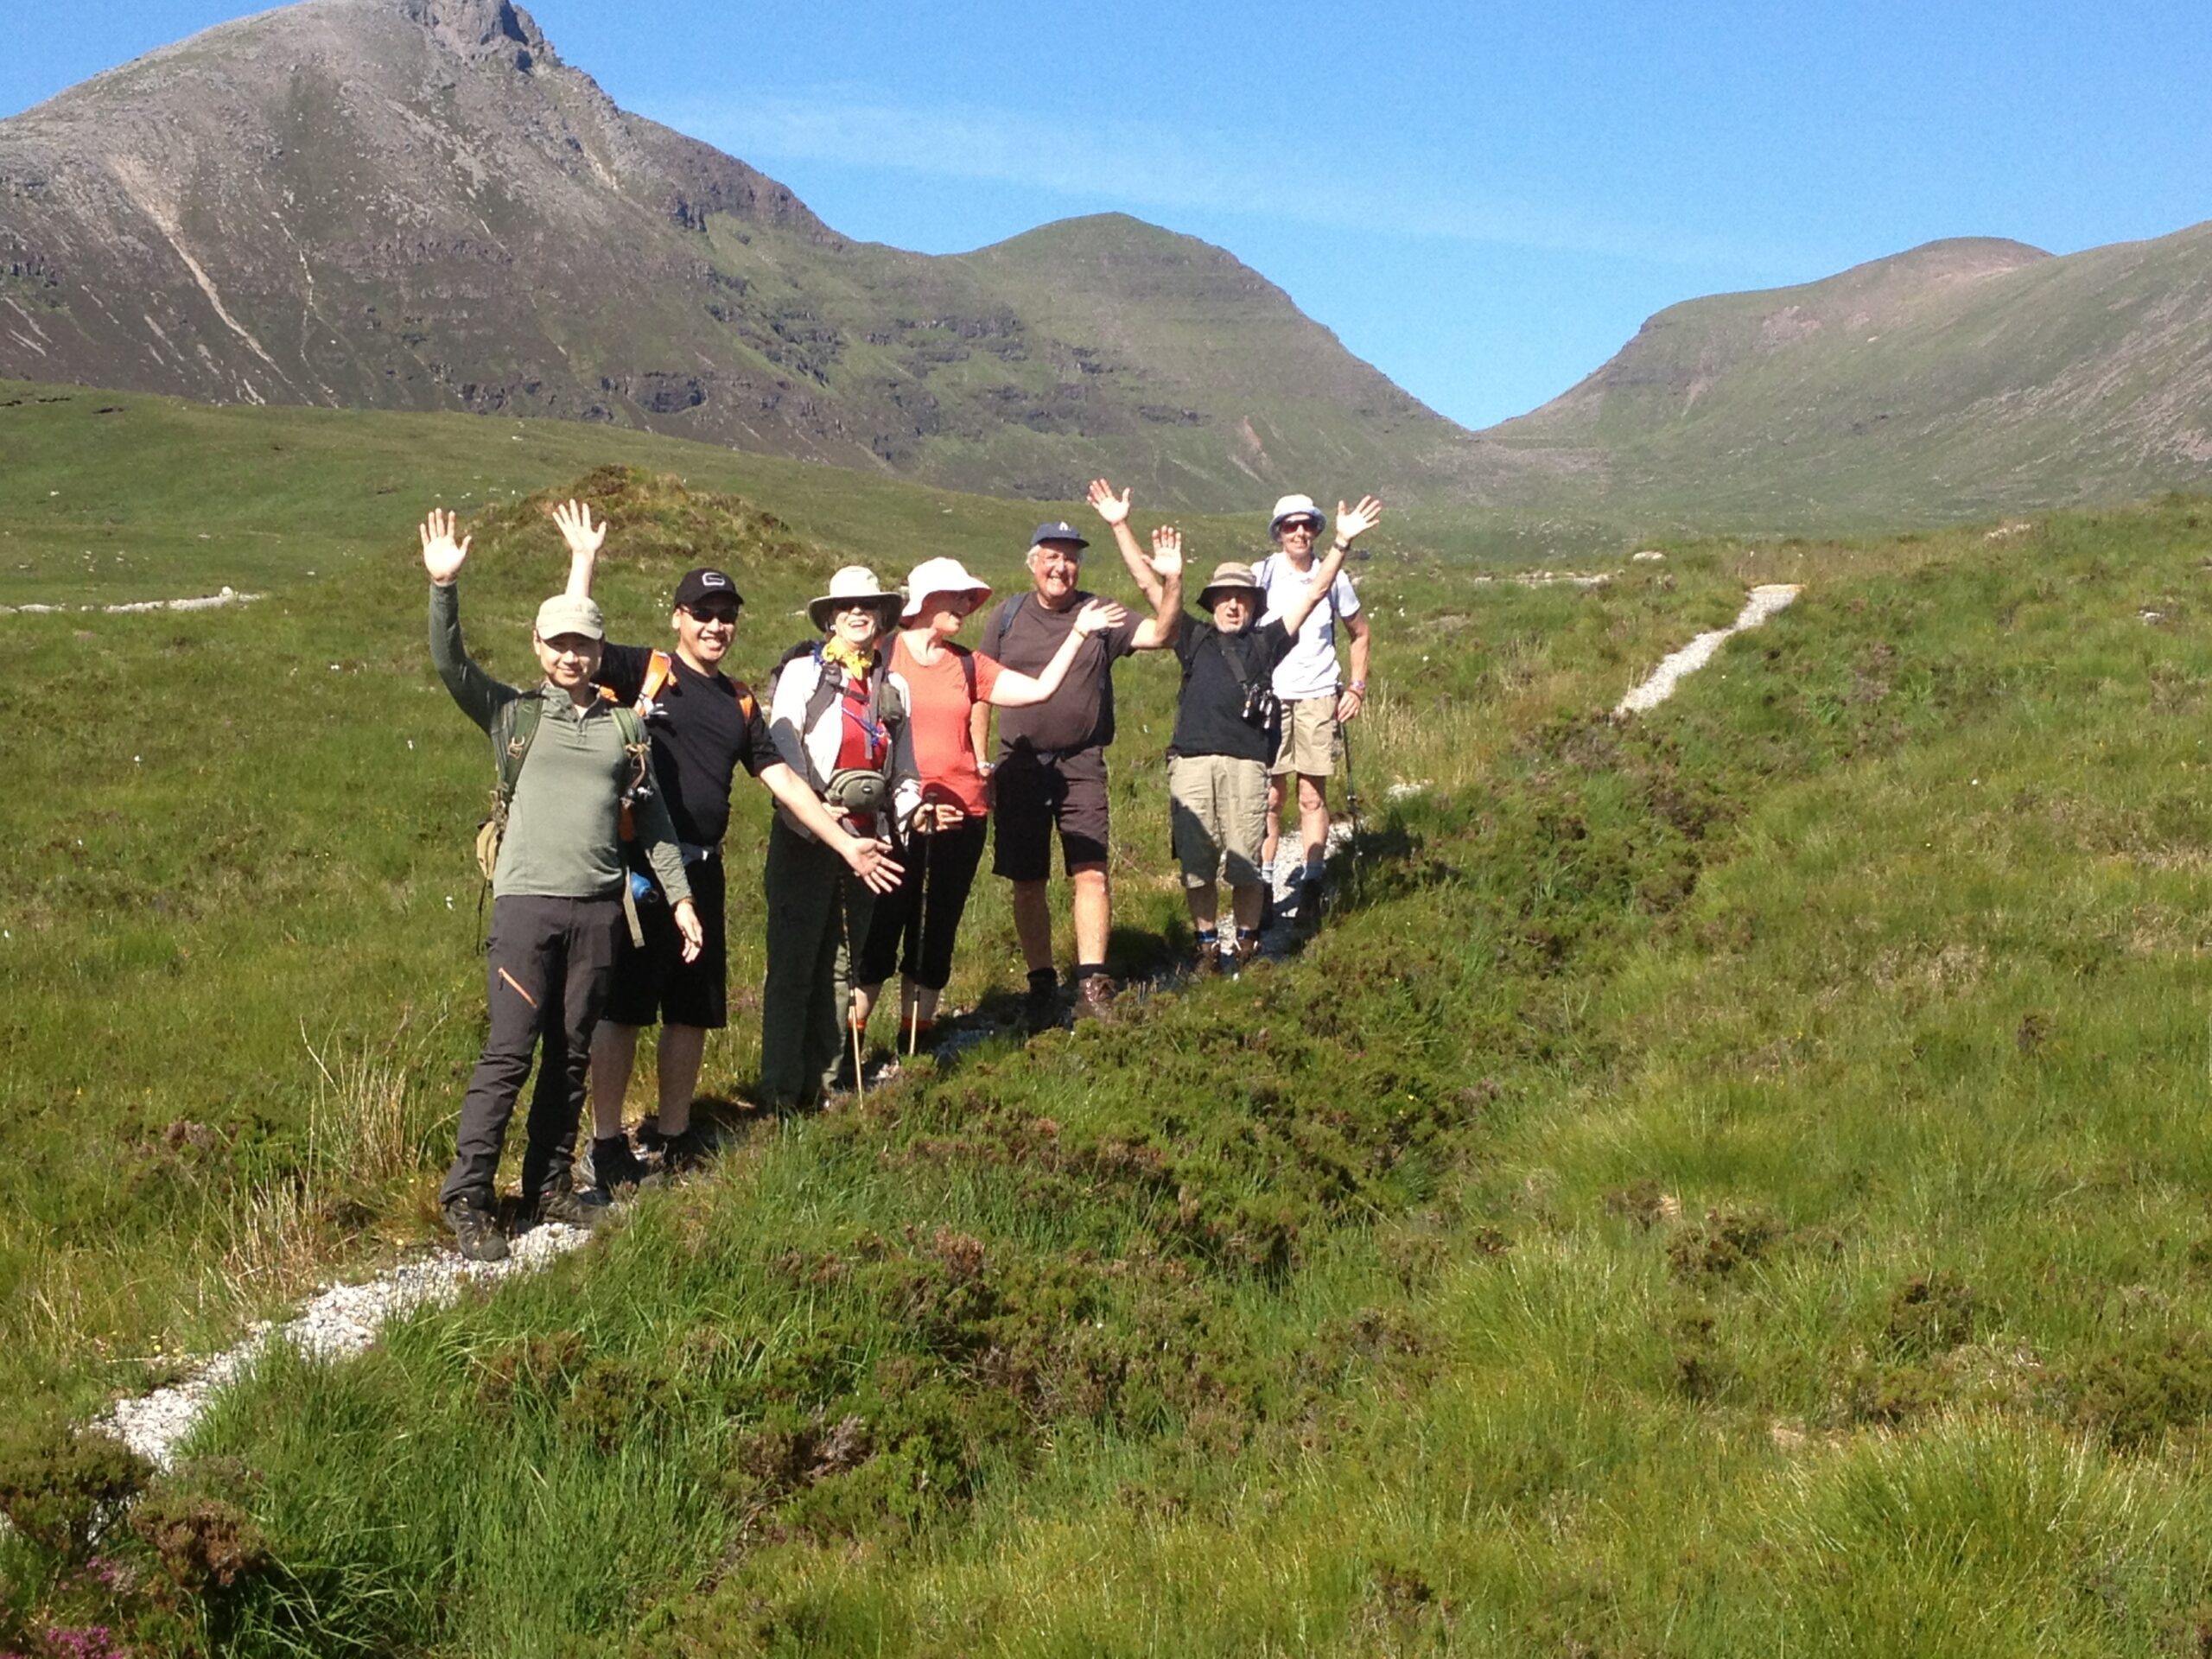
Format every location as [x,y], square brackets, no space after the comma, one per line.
[838,717]
[948,690]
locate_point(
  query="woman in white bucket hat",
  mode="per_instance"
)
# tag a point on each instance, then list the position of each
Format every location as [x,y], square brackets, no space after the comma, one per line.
[949,690]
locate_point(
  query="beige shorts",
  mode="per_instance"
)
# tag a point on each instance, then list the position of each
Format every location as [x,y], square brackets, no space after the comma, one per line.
[1217,807]
[1312,739]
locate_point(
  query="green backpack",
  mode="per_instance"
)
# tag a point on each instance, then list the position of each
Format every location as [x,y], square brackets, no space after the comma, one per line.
[519,721]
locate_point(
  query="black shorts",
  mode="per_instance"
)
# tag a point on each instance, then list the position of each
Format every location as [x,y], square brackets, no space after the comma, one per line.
[653,984]
[1033,795]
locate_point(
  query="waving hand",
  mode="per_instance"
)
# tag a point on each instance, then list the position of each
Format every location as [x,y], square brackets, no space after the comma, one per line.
[441,555]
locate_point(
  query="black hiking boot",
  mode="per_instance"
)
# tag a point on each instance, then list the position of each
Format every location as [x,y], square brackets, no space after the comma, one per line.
[1041,1008]
[614,1169]
[476,1232]
[573,1209]
[685,1154]
[1309,901]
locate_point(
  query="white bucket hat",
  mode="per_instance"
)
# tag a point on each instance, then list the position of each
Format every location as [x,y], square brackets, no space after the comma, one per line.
[939,576]
[1297,506]
[855,585]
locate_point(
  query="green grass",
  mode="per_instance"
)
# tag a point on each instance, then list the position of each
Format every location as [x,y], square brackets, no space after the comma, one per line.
[1735,1186]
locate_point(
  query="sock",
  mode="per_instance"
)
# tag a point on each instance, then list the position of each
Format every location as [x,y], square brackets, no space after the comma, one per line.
[1207,937]
[1088,970]
[1315,866]
[1044,979]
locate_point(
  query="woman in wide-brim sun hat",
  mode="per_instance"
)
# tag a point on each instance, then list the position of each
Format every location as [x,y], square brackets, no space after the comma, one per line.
[837,717]
[950,689]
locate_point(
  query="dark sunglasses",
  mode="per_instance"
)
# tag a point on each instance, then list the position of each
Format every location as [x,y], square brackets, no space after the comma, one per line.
[1312,527]
[713,612]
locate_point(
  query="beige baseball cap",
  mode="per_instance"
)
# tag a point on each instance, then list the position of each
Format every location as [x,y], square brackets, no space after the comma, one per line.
[564,614]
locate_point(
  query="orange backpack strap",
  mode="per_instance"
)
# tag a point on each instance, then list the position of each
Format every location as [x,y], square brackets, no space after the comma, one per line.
[747,705]
[658,668]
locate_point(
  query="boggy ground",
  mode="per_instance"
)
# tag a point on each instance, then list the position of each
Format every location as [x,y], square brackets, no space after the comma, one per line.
[1735,1186]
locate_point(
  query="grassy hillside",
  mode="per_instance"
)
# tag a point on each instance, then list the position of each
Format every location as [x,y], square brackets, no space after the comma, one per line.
[1733,1186]
[1967,379]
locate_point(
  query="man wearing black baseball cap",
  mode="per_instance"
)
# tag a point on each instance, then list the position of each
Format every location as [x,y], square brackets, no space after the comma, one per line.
[1051,774]
[703,726]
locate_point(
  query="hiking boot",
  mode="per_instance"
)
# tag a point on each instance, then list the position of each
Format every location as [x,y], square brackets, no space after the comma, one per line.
[1246,948]
[476,1232]
[1205,960]
[573,1209]
[1041,1008]
[613,1167]
[1309,900]
[684,1154]
[1094,998]
[650,1141]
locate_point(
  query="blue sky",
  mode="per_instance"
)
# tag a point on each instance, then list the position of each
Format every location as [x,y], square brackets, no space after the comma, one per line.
[1485,201]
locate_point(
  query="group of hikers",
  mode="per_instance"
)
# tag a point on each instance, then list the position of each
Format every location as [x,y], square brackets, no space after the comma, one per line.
[605,849]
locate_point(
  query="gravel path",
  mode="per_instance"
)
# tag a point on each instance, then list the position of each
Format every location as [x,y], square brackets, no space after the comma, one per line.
[339,1322]
[207,602]
[1762,602]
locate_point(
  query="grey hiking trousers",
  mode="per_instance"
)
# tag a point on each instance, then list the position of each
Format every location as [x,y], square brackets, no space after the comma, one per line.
[549,963]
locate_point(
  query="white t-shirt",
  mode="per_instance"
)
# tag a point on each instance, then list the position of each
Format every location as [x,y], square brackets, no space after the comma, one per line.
[1309,671]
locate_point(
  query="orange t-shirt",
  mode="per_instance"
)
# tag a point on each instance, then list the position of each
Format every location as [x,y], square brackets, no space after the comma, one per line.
[944,752]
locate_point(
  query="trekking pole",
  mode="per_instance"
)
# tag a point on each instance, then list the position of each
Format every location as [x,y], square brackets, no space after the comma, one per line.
[921,938]
[1351,811]
[860,1070]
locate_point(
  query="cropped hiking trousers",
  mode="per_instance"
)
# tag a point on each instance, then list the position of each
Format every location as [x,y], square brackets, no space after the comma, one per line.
[818,913]
[549,963]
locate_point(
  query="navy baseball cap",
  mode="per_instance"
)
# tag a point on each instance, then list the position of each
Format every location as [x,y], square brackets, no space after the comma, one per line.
[1058,530]
[705,583]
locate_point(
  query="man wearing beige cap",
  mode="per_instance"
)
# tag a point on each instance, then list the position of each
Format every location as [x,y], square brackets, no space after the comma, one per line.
[556,891]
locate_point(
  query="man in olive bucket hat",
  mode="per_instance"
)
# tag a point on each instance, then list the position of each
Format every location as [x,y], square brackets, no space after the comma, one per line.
[1224,737]
[837,715]
[703,726]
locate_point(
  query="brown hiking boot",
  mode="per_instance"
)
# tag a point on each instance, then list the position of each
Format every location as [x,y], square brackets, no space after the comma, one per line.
[1205,962]
[1094,998]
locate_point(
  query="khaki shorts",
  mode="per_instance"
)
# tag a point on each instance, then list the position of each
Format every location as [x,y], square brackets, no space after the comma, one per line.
[1217,806]
[1312,741]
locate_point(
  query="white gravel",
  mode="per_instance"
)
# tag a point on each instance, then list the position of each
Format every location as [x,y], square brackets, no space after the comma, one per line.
[339,1323]
[206,602]
[1763,602]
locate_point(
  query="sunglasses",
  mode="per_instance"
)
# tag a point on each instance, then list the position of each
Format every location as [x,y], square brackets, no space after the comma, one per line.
[1293,526]
[713,612]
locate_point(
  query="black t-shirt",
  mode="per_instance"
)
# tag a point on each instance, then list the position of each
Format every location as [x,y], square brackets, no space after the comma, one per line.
[1080,715]
[700,736]
[1210,714]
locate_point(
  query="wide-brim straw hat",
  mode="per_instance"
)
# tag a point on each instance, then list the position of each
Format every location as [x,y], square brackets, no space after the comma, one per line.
[1229,578]
[856,585]
[939,575]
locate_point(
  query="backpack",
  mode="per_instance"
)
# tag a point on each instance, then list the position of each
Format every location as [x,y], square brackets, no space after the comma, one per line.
[520,720]
[883,703]
[660,668]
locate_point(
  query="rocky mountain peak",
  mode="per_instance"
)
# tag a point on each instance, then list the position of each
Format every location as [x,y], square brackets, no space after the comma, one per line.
[478,29]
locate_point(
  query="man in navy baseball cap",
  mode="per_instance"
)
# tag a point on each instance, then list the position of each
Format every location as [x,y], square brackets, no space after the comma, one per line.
[707,587]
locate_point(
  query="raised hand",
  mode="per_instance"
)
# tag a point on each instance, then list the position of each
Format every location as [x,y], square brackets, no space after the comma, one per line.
[1114,509]
[1353,522]
[1098,616]
[441,555]
[574,519]
[1167,552]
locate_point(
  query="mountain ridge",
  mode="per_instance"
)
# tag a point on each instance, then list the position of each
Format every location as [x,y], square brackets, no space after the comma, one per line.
[417,204]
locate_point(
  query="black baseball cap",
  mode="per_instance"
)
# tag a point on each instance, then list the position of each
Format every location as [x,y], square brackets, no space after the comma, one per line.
[706,583]
[1058,530]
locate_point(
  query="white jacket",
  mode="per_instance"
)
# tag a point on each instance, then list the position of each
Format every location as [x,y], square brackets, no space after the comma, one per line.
[813,753]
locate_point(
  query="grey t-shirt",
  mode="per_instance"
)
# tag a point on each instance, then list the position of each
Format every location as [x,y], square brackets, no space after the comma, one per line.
[1025,637]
